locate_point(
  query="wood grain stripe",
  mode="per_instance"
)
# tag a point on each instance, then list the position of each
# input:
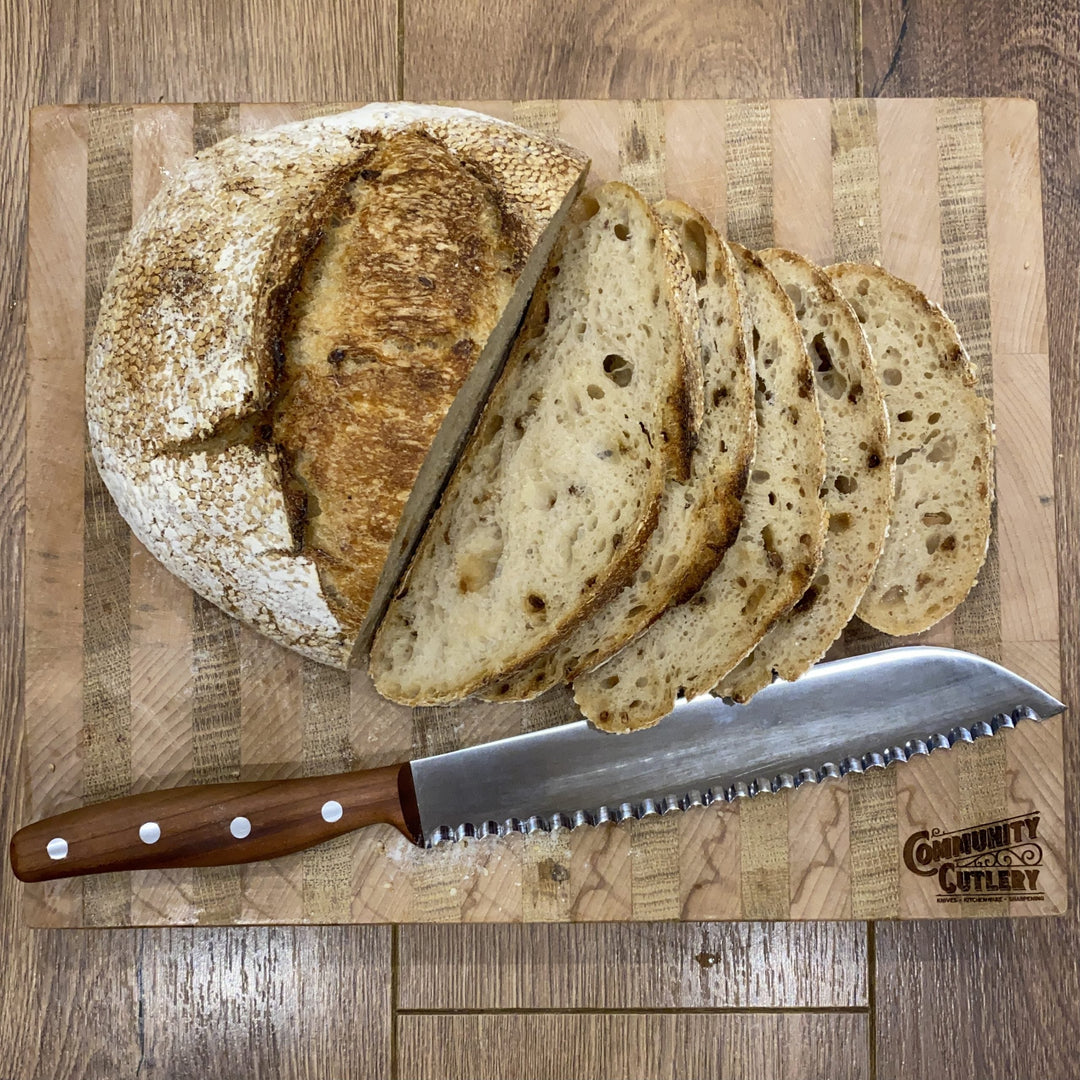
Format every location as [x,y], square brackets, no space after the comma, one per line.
[327,873]
[271,708]
[641,148]
[1036,786]
[550,709]
[982,784]
[106,539]
[927,794]
[55,332]
[597,126]
[709,856]
[245,119]
[966,287]
[56,321]
[600,867]
[819,830]
[493,885]
[1025,466]
[313,109]
[802,162]
[697,177]
[545,877]
[654,867]
[748,160]
[382,731]
[875,879]
[1014,234]
[855,182]
[436,879]
[966,297]
[213,122]
[719,965]
[763,847]
[436,729]
[910,215]
[538,116]
[962,195]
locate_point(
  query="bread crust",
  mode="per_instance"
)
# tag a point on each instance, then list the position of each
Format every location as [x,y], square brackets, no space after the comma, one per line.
[184,373]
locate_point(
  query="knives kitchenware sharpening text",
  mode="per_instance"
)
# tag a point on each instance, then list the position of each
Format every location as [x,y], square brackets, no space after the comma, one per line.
[842,716]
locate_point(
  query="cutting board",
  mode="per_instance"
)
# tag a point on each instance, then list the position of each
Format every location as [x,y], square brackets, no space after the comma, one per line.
[133,683]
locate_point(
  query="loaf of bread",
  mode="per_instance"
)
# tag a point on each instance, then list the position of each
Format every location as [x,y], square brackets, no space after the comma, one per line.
[858,480]
[549,512]
[775,555]
[698,519]
[942,439]
[294,342]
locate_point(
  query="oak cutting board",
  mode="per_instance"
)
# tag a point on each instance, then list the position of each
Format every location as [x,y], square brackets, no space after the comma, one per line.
[132,682]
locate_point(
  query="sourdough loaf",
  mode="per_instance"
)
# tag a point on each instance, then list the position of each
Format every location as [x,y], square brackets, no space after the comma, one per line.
[294,341]
[774,556]
[942,439]
[699,518]
[858,480]
[548,513]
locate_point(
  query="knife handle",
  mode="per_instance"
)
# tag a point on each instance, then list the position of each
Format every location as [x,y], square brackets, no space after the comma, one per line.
[214,824]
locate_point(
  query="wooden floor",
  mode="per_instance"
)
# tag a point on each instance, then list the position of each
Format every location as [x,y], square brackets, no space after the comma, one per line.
[977,999]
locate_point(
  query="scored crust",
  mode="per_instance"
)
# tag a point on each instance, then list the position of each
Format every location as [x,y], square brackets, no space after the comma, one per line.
[188,374]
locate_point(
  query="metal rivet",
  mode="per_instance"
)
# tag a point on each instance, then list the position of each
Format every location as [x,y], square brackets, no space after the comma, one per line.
[240,827]
[331,811]
[57,848]
[150,832]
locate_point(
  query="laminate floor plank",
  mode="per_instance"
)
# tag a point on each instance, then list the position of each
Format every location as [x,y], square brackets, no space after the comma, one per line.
[606,1046]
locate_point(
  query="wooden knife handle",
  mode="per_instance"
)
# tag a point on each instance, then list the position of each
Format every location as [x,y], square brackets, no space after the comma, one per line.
[214,824]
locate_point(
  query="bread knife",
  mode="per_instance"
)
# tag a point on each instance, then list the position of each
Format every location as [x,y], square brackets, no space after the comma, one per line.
[842,716]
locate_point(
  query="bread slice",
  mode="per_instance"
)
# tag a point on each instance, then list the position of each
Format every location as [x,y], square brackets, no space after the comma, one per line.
[774,557]
[549,511]
[699,519]
[295,341]
[942,438]
[858,480]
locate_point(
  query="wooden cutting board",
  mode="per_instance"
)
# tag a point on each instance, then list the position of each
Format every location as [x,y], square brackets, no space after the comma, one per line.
[132,682]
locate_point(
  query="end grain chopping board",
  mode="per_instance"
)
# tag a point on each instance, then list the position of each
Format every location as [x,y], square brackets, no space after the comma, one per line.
[133,683]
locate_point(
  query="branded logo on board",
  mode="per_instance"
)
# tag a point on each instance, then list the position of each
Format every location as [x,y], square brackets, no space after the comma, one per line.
[996,861]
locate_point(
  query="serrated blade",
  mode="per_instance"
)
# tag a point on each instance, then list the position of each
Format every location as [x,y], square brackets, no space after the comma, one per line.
[841,716]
